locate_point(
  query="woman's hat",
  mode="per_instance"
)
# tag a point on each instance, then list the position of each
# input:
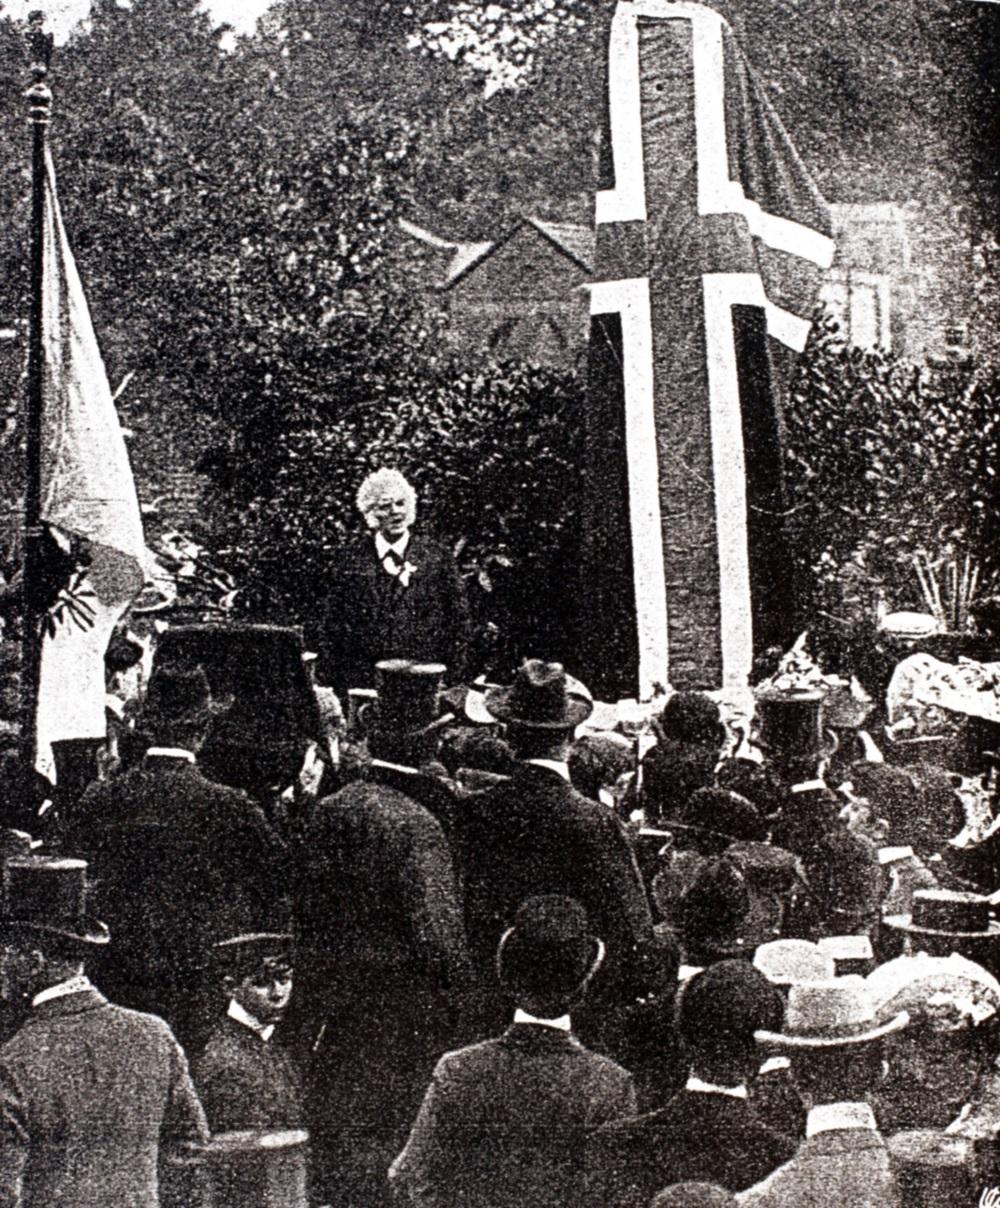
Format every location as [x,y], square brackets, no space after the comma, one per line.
[831,1014]
[947,913]
[47,896]
[550,951]
[541,697]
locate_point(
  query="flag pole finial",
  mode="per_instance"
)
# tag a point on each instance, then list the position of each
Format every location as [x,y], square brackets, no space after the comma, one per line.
[39,94]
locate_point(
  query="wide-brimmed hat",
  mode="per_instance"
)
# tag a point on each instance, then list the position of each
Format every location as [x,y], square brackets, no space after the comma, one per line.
[179,696]
[541,697]
[408,700]
[47,896]
[550,952]
[831,1014]
[947,913]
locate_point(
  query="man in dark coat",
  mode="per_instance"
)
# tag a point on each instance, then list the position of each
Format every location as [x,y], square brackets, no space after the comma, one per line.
[385,965]
[394,594]
[89,1092]
[503,1122]
[535,834]
[246,1077]
[177,857]
[707,1132]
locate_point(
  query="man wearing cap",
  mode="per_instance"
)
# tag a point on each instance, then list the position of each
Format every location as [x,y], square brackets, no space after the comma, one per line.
[503,1122]
[535,834]
[177,857]
[707,1131]
[89,1092]
[246,1078]
[380,918]
[834,1040]
[394,594]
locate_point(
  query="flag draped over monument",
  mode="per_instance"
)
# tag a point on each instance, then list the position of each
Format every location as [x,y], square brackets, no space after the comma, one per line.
[87,491]
[711,243]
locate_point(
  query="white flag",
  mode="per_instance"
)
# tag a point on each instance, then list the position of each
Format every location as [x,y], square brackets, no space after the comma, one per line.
[87,491]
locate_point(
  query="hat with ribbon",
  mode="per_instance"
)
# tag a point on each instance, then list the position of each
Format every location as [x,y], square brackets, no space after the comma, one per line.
[948,914]
[831,1014]
[47,896]
[541,697]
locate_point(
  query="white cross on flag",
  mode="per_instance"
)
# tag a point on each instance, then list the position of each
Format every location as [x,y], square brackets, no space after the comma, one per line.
[711,242]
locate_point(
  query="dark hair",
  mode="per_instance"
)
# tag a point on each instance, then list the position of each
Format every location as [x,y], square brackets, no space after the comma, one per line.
[755,781]
[692,717]
[595,761]
[468,747]
[671,772]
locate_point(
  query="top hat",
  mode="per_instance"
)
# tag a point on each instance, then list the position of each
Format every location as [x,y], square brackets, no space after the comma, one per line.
[787,962]
[831,1014]
[541,697]
[725,1005]
[932,1167]
[948,913]
[178,696]
[47,895]
[550,951]
[790,724]
[408,697]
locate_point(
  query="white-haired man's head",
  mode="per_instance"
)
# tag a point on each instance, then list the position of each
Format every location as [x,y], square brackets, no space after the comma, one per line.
[388,503]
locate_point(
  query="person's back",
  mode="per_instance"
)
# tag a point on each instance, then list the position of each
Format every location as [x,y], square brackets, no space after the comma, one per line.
[90,1091]
[503,1122]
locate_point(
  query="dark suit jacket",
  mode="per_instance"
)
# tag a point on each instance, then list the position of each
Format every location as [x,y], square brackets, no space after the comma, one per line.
[503,1122]
[698,1137]
[179,861]
[88,1094]
[247,1082]
[371,616]
[843,1168]
[535,834]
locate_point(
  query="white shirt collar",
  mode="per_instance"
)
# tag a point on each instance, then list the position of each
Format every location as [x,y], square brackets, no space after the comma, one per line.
[76,985]
[559,766]
[171,753]
[562,1024]
[394,767]
[382,546]
[710,1088]
[264,1030]
[826,1117]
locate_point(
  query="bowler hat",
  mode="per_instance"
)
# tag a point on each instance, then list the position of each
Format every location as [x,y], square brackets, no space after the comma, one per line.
[550,951]
[178,696]
[541,697]
[409,697]
[947,913]
[723,1006]
[47,896]
[713,913]
[830,1014]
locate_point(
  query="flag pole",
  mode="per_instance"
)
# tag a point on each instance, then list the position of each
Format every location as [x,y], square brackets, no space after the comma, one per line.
[39,97]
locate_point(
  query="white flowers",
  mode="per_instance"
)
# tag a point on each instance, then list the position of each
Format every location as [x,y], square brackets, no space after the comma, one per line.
[405,571]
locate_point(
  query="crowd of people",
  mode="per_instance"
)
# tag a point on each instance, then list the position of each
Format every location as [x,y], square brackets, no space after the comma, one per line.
[499,953]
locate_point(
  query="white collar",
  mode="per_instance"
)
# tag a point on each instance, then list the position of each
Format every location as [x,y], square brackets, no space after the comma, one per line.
[561,1024]
[394,767]
[171,753]
[559,766]
[827,1117]
[75,985]
[382,546]
[694,1083]
[264,1030]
